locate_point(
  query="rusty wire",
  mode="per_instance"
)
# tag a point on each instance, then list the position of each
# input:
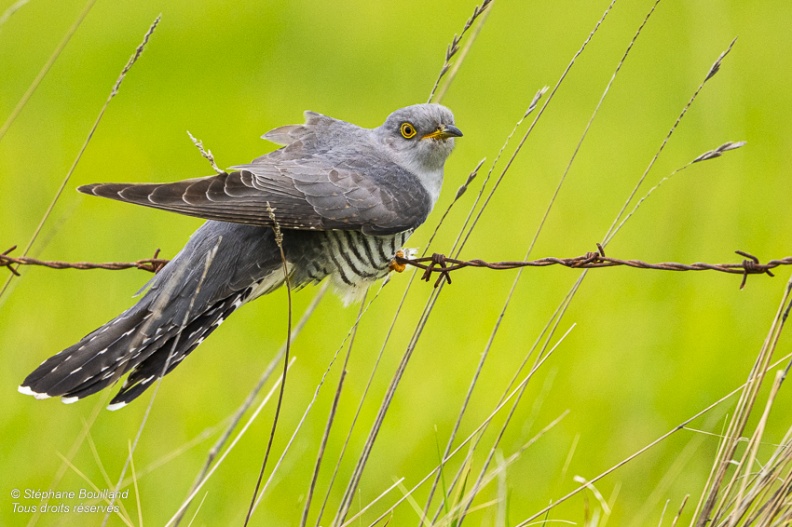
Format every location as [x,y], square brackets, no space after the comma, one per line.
[443,266]
[151,265]
[438,263]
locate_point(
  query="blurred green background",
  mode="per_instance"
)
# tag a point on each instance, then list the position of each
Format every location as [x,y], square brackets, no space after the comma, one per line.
[648,350]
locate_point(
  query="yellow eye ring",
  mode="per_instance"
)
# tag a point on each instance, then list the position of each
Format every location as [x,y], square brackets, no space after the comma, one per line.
[407,130]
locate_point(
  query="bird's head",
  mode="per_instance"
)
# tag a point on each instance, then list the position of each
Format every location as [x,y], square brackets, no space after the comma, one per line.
[420,137]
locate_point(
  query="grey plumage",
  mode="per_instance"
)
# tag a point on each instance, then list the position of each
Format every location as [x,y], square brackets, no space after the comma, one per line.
[346,199]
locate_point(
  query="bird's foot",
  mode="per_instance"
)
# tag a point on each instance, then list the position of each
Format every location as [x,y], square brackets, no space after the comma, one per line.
[398,263]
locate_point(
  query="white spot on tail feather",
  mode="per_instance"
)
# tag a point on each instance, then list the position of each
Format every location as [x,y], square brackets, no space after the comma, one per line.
[27,390]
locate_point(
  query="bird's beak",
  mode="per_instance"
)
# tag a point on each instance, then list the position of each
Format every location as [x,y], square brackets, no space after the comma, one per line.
[444,131]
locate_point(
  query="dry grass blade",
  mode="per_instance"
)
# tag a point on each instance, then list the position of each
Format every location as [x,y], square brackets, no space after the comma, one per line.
[346,502]
[460,192]
[538,116]
[710,154]
[310,406]
[47,65]
[354,480]
[724,501]
[113,92]
[156,311]
[531,107]
[712,71]
[682,426]
[180,511]
[560,311]
[626,460]
[175,453]
[590,121]
[10,10]
[467,441]
[251,398]
[70,455]
[135,484]
[330,419]
[458,513]
[359,409]
[754,486]
[453,48]
[550,205]
[350,337]
[132,60]
[675,471]
[545,351]
[322,446]
[366,507]
[205,153]
[452,437]
[364,455]
[387,399]
[279,241]
[679,512]
[109,507]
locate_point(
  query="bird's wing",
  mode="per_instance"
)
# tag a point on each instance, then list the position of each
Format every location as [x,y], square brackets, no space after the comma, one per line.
[368,194]
[314,122]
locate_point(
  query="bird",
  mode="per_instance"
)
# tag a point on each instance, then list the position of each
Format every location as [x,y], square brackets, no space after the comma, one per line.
[335,201]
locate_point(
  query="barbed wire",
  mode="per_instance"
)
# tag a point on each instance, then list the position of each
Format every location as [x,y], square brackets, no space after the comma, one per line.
[443,265]
[151,265]
[438,263]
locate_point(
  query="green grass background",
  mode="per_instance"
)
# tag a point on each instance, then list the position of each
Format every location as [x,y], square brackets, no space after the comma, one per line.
[649,349]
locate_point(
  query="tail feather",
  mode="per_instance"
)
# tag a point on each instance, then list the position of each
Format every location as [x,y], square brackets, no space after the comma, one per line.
[100,360]
[175,349]
[179,310]
[85,362]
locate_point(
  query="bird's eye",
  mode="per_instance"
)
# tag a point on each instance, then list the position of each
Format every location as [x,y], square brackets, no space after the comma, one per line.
[407,130]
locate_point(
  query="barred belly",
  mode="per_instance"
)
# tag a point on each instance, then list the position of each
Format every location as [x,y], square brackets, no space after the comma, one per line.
[354,260]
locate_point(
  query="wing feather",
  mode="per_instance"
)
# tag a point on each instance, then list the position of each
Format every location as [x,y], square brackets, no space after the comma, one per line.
[338,202]
[330,176]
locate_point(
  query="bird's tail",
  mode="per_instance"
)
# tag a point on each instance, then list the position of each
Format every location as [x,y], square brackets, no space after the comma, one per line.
[185,302]
[133,342]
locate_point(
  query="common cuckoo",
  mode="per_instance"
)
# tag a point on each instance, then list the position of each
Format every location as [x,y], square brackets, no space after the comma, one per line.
[345,200]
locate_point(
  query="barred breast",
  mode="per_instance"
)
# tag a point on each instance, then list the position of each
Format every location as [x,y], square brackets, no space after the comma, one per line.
[351,259]
[356,260]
